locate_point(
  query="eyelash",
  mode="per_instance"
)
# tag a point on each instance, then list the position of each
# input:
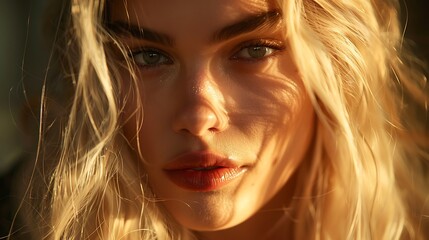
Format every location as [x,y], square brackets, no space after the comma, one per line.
[271,48]
[135,54]
[272,45]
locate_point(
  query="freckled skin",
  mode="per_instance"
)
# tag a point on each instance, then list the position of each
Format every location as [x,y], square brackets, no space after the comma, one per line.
[255,112]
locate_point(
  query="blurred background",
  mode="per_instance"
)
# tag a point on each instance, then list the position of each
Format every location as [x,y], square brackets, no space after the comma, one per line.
[23,60]
[23,64]
[24,57]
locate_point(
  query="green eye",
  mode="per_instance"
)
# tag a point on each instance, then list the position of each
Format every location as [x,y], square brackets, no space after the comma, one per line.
[150,58]
[258,50]
[255,52]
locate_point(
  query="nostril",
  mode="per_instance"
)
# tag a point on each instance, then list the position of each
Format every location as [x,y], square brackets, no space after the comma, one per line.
[198,121]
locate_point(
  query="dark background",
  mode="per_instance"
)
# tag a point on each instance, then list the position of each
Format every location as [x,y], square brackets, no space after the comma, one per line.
[23,63]
[417,30]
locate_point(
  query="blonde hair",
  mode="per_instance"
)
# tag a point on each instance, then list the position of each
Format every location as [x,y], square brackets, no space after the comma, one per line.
[367,176]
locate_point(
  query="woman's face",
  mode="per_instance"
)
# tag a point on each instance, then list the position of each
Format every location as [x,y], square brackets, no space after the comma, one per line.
[226,117]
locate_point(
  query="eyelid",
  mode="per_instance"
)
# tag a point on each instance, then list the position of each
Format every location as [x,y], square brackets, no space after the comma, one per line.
[140,50]
[134,51]
[277,45]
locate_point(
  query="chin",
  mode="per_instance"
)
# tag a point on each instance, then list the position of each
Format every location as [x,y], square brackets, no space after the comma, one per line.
[210,225]
[211,213]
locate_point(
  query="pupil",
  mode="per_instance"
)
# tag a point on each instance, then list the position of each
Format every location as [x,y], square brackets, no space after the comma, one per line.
[257,52]
[151,57]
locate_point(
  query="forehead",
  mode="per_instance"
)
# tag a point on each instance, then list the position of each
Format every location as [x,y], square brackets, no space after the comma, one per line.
[165,15]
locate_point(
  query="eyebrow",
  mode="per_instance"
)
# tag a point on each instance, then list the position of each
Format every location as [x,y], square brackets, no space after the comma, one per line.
[249,24]
[128,29]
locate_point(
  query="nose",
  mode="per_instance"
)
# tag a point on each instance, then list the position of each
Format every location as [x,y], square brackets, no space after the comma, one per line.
[201,109]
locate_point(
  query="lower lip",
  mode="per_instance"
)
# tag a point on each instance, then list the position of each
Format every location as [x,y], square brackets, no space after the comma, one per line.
[204,180]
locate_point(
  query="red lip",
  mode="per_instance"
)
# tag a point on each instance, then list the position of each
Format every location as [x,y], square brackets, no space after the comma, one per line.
[203,171]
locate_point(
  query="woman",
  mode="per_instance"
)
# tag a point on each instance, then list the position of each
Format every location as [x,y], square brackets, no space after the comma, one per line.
[223,119]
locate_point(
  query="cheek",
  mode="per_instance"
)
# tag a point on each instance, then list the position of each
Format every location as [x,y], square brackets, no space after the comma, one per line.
[293,139]
[144,127]
[283,149]
[134,114]
[131,115]
[288,118]
[269,99]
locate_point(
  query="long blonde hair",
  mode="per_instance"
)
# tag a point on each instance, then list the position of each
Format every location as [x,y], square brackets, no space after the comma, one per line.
[367,176]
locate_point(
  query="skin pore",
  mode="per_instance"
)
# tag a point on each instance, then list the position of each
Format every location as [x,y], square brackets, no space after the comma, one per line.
[216,76]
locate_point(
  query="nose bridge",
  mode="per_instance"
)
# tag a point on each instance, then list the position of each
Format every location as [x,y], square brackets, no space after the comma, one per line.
[202,109]
[203,85]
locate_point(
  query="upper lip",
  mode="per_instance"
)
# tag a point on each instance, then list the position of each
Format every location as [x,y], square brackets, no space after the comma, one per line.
[200,160]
